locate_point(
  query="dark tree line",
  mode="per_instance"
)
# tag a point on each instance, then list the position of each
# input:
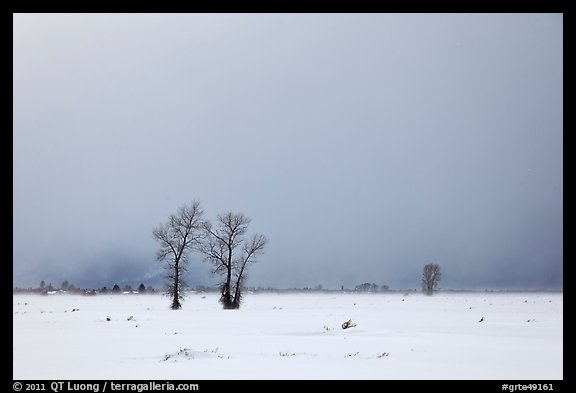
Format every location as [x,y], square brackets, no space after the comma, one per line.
[67,287]
[367,287]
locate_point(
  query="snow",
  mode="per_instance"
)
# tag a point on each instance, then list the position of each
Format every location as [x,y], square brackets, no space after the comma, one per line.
[290,336]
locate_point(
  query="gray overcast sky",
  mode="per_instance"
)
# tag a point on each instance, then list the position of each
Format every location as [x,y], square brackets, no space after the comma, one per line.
[363,145]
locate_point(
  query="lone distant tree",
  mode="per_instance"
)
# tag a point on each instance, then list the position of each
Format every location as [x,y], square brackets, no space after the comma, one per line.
[230,251]
[177,237]
[430,277]
[115,289]
[142,288]
[42,284]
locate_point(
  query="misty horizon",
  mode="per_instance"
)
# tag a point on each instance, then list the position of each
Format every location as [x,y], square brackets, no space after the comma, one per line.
[364,146]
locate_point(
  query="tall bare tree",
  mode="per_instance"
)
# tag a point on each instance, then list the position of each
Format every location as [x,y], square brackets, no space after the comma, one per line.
[430,277]
[177,237]
[230,251]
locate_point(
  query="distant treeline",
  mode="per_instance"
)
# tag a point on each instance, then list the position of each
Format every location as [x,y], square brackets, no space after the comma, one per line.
[67,288]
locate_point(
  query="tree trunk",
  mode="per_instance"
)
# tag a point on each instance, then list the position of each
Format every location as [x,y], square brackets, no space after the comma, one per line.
[176,292]
[238,291]
[237,294]
[226,298]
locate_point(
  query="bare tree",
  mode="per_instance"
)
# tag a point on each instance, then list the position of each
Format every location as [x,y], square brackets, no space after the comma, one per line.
[177,237]
[230,252]
[430,277]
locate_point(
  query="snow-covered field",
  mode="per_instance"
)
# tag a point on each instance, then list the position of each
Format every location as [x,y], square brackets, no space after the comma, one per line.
[290,336]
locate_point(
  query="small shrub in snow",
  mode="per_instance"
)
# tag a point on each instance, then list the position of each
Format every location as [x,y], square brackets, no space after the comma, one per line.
[182,352]
[188,354]
[348,324]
